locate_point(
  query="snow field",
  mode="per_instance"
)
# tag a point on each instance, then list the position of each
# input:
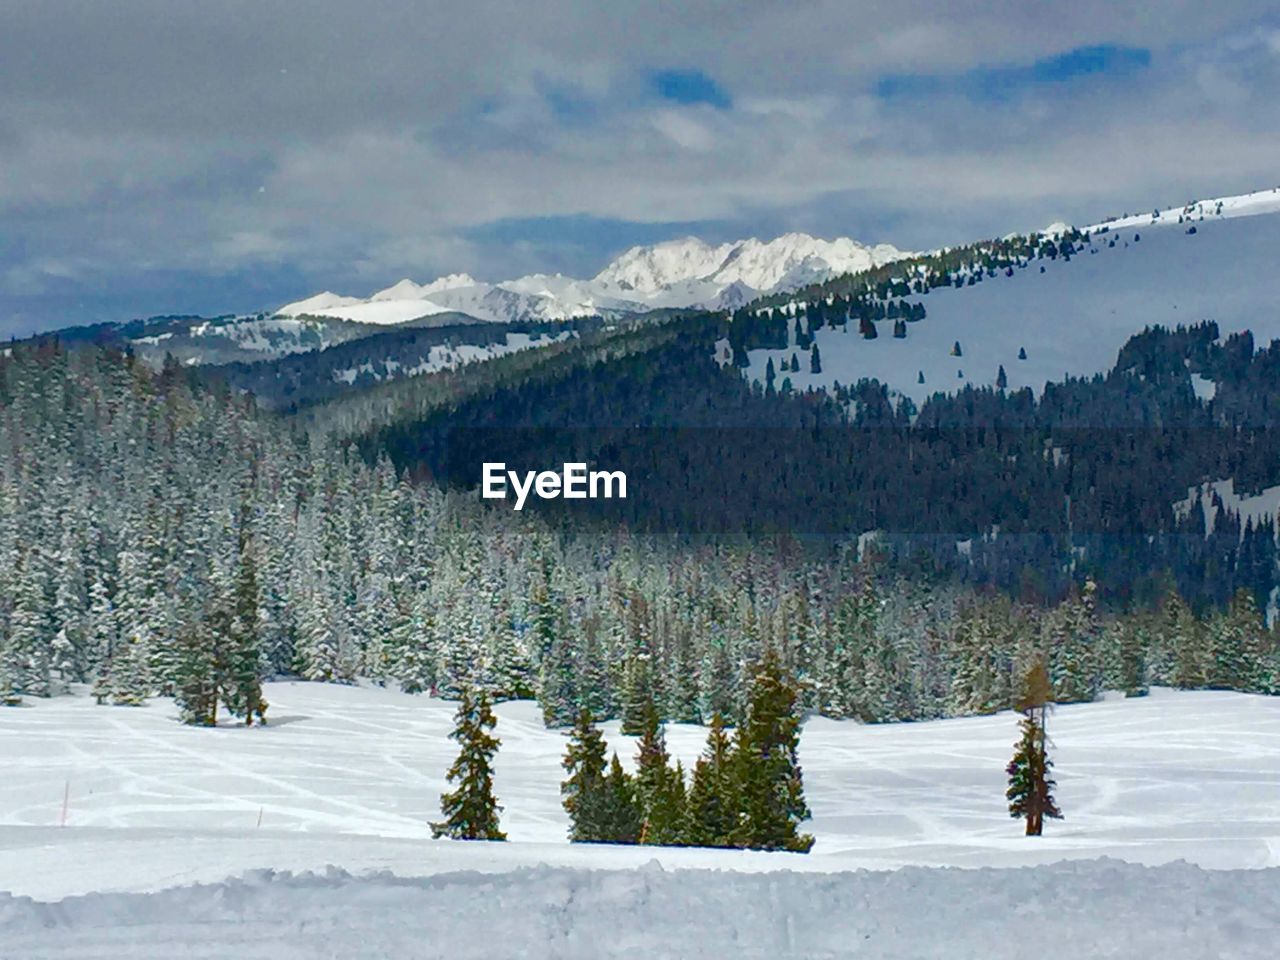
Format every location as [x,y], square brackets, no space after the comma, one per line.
[322,819]
[1067,910]
[352,776]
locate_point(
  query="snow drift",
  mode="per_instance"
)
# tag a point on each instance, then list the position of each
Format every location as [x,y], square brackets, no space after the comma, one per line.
[1068,910]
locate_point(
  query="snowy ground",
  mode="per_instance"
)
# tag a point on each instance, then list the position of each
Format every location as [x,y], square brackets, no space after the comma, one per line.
[350,777]
[1068,910]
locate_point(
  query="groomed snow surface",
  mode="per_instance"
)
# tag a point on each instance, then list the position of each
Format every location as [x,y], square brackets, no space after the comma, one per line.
[350,777]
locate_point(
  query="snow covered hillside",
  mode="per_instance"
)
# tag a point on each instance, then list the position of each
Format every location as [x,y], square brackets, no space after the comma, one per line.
[242,338]
[446,357]
[350,777]
[677,273]
[1207,261]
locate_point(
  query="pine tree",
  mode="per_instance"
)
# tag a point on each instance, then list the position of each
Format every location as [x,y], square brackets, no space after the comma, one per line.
[1238,642]
[70,607]
[713,796]
[411,641]
[1071,635]
[131,660]
[769,779]
[196,685]
[621,819]
[10,675]
[242,685]
[637,695]
[815,360]
[555,648]
[104,630]
[659,788]
[471,812]
[583,790]
[1124,657]
[1189,643]
[1030,792]
[28,646]
[512,676]
[130,683]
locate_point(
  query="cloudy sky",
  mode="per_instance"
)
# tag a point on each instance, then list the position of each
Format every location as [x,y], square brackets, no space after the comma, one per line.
[171,157]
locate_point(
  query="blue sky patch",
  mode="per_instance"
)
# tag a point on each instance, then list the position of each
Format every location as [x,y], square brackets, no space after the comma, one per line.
[690,86]
[1004,82]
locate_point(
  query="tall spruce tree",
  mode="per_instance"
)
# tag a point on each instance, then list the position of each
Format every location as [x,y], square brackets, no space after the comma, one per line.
[1030,792]
[1188,641]
[659,788]
[713,796]
[637,695]
[769,780]
[196,686]
[1237,638]
[242,684]
[471,812]
[583,790]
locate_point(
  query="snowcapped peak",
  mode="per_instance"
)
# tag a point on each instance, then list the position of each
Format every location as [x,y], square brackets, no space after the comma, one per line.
[409,290]
[452,281]
[795,259]
[648,270]
[321,301]
[406,289]
[750,264]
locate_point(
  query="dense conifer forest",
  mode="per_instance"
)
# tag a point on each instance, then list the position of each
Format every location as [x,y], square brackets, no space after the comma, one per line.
[161,536]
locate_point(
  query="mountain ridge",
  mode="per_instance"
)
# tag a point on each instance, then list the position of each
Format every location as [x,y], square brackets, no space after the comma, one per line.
[683,273]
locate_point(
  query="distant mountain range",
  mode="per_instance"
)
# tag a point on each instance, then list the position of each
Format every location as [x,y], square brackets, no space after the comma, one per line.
[675,274]
[1205,260]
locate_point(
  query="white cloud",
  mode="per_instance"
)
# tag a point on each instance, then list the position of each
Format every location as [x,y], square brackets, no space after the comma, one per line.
[372,142]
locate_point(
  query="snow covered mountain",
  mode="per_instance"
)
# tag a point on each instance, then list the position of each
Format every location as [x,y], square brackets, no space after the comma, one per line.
[675,269]
[674,274]
[1043,319]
